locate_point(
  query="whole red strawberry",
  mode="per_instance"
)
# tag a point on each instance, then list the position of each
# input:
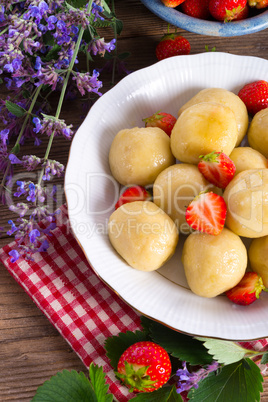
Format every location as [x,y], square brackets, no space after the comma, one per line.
[255,96]
[134,193]
[258,3]
[247,290]
[172,44]
[207,213]
[172,3]
[226,10]
[163,120]
[217,168]
[196,8]
[144,367]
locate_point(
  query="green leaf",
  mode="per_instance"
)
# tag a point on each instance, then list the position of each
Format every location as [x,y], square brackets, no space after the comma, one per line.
[235,383]
[52,53]
[264,359]
[99,385]
[177,344]
[66,386]
[116,345]
[225,352]
[164,394]
[15,109]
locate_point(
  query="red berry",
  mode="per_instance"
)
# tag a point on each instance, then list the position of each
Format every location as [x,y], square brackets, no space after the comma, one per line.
[255,96]
[172,3]
[226,10]
[217,168]
[207,213]
[163,120]
[247,290]
[134,193]
[172,45]
[258,3]
[144,367]
[196,8]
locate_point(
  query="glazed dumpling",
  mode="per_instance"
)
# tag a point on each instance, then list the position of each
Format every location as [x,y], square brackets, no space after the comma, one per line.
[258,132]
[175,188]
[213,264]
[226,98]
[138,155]
[258,257]
[143,235]
[246,158]
[246,197]
[201,129]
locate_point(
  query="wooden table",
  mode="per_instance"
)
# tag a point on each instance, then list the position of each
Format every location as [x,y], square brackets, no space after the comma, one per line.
[31,349]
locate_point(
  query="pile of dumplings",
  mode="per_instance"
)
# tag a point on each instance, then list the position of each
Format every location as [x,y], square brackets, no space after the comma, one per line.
[146,233]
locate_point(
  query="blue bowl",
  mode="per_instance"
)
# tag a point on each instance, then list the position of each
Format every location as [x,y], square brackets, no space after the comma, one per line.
[203,27]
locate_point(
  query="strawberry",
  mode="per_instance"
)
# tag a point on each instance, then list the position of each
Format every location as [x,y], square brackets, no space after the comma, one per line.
[217,168]
[247,290]
[144,367]
[244,13]
[255,96]
[163,120]
[196,8]
[207,213]
[172,44]
[134,193]
[172,3]
[258,3]
[226,10]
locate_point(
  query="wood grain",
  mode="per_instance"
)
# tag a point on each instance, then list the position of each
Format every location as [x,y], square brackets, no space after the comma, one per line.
[31,349]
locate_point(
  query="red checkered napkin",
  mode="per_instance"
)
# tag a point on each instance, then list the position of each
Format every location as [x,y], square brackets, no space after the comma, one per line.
[82,308]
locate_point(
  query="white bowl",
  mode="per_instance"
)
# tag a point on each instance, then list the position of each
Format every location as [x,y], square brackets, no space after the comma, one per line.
[91,193]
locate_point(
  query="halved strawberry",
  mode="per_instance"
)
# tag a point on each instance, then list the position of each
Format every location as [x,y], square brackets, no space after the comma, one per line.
[217,168]
[133,193]
[144,367]
[207,213]
[163,120]
[247,290]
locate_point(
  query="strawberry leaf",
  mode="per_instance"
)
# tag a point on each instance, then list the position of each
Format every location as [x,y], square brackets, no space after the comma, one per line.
[99,385]
[264,359]
[69,386]
[225,352]
[164,394]
[237,382]
[116,345]
[178,345]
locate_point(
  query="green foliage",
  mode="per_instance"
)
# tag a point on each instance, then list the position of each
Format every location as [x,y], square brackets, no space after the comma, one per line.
[70,386]
[264,359]
[116,345]
[237,382]
[225,352]
[179,345]
[15,109]
[164,394]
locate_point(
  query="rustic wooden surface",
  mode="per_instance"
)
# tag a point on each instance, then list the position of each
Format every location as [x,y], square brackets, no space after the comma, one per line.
[31,349]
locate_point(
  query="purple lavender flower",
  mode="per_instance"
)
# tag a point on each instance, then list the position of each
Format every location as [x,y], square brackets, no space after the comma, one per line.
[98,45]
[44,246]
[37,124]
[14,159]
[21,208]
[188,380]
[33,235]
[53,167]
[52,125]
[20,189]
[13,228]
[88,83]
[15,255]
[30,162]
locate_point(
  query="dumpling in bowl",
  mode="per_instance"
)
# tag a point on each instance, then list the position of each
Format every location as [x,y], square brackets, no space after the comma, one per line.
[143,235]
[138,155]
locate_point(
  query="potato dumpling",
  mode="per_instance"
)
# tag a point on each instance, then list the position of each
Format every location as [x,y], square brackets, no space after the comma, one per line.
[201,129]
[258,257]
[175,188]
[138,155]
[213,264]
[246,158]
[258,132]
[226,98]
[143,234]
[246,197]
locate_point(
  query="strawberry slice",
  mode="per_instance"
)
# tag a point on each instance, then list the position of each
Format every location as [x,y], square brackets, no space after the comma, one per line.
[207,213]
[134,193]
[217,168]
[163,120]
[247,290]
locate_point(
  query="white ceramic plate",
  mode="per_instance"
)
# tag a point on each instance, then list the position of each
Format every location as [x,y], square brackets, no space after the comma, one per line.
[91,193]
